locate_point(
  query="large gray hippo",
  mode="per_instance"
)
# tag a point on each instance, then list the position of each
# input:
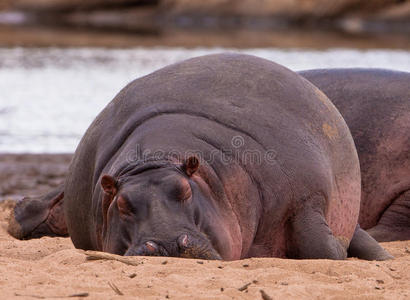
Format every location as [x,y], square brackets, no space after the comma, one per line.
[222,156]
[376,106]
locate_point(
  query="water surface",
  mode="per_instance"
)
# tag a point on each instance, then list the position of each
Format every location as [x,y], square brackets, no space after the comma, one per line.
[49,96]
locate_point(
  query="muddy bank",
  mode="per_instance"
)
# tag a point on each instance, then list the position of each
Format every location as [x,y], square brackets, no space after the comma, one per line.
[31,174]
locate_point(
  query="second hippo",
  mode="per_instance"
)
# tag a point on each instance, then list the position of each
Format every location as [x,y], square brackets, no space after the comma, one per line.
[376,106]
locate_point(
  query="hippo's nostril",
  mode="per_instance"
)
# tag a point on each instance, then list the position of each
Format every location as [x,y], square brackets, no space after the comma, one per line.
[151,247]
[196,246]
[183,241]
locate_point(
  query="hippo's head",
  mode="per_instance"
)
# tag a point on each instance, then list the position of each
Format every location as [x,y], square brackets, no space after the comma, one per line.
[160,211]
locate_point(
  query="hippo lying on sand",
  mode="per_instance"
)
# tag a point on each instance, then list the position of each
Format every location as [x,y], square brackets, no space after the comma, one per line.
[221,156]
[376,106]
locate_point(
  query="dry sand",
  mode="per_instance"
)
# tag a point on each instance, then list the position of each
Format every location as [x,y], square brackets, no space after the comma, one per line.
[50,268]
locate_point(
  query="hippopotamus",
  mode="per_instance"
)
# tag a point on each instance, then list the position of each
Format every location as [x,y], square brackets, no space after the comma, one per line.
[376,106]
[224,156]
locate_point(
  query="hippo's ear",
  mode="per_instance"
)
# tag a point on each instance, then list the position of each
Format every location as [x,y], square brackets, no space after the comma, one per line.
[109,184]
[190,165]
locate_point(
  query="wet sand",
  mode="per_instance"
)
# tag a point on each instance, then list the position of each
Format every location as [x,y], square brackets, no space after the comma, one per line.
[51,267]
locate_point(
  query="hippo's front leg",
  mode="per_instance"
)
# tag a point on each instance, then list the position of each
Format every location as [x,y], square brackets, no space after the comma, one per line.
[310,235]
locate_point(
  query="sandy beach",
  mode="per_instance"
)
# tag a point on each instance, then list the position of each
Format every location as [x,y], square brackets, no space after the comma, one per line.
[51,268]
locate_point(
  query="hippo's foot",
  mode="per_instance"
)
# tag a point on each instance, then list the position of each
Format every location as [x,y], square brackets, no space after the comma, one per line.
[311,236]
[394,225]
[40,216]
[364,246]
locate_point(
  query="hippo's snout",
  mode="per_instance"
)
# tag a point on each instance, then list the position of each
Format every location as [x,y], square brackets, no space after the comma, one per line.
[186,246]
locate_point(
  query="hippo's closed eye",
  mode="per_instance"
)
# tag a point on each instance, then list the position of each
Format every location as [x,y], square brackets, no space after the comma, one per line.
[179,188]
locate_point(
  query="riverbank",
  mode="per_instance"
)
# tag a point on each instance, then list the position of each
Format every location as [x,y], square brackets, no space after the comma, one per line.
[31,174]
[224,23]
[390,15]
[240,38]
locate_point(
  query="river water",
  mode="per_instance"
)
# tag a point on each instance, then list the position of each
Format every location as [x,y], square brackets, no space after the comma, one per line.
[49,96]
